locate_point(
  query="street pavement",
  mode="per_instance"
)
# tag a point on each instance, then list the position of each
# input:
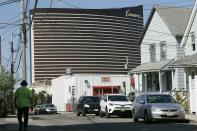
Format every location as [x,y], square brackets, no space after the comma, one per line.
[47,122]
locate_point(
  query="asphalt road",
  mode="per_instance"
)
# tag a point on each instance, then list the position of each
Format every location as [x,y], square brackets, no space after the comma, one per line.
[70,122]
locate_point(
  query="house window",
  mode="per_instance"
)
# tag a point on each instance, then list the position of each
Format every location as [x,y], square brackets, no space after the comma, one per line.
[163,50]
[193,41]
[152,53]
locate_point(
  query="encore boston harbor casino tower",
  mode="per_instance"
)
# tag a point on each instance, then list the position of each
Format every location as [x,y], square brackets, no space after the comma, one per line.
[85,40]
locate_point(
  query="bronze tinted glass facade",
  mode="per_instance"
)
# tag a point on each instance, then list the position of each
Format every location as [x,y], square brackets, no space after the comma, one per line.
[86,40]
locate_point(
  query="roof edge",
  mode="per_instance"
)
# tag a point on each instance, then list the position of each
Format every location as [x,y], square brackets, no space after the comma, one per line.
[147,25]
[189,24]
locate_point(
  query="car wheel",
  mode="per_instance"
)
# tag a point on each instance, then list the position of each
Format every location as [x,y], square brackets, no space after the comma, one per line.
[101,114]
[146,118]
[107,113]
[77,113]
[135,119]
[83,112]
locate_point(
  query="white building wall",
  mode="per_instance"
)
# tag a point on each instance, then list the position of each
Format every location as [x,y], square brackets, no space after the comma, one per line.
[96,80]
[189,51]
[188,45]
[138,83]
[181,78]
[70,84]
[59,92]
[193,94]
[157,32]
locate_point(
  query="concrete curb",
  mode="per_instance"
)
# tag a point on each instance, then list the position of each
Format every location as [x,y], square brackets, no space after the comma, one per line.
[191,117]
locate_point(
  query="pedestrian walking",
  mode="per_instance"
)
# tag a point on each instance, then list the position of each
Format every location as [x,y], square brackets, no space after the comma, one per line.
[23,101]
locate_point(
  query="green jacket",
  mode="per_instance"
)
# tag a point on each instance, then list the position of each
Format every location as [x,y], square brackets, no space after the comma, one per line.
[23,97]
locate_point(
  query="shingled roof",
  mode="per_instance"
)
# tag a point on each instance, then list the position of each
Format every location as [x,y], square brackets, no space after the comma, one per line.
[152,67]
[175,18]
[187,61]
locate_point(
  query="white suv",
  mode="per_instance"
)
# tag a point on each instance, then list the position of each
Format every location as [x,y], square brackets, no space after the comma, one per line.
[116,104]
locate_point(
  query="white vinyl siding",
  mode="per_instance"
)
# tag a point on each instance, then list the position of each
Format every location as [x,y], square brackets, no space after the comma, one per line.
[188,45]
[157,32]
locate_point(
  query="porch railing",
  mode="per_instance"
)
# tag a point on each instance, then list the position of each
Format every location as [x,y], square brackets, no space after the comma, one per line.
[182,97]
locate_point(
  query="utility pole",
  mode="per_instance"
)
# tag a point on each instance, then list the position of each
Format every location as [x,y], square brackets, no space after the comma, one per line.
[12,56]
[23,39]
[0,56]
[12,72]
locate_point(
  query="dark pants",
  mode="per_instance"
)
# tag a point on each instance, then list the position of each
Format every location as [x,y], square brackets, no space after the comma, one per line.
[21,111]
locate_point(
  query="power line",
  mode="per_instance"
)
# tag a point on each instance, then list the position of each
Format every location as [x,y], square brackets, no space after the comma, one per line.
[171,7]
[8,2]
[51,3]
[7,32]
[33,14]
[18,63]
[17,52]
[164,3]
[69,4]
[10,24]
[27,3]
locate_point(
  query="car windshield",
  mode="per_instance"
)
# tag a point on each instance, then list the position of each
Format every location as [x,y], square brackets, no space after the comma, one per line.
[160,99]
[117,98]
[92,99]
[49,106]
[38,106]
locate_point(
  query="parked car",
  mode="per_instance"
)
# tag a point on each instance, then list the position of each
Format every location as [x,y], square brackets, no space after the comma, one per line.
[88,105]
[37,109]
[48,109]
[116,104]
[157,107]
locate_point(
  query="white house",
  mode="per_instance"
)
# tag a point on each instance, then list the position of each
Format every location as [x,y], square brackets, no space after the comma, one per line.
[160,46]
[68,87]
[189,62]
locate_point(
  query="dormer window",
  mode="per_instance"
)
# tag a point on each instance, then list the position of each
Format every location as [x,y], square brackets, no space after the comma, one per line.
[163,50]
[152,53]
[193,41]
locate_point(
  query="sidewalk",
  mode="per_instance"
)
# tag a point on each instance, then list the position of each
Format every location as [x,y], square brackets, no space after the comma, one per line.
[191,117]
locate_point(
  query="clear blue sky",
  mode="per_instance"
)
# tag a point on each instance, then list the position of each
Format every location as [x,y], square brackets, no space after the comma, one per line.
[11,13]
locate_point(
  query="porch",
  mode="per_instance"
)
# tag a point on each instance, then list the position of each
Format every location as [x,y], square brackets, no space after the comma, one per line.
[154,77]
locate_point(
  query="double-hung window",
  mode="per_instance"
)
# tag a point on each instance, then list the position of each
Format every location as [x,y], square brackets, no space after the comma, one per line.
[163,50]
[152,53]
